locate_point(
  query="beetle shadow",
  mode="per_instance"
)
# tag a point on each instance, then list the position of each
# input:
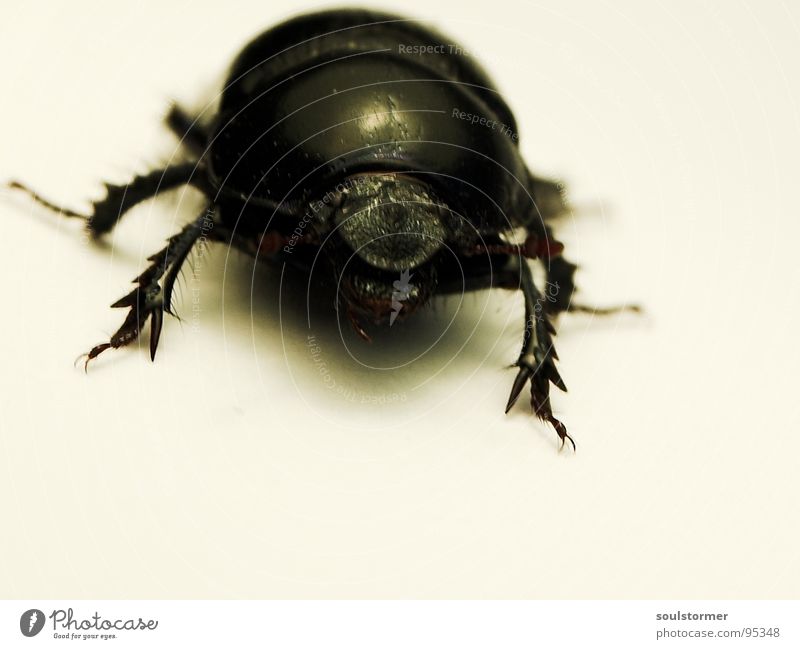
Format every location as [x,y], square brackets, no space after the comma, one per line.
[288,314]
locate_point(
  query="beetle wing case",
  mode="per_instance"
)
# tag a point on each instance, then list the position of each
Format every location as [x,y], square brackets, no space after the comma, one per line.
[297,118]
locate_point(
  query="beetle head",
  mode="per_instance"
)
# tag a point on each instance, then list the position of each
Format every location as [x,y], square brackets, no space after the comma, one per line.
[389,229]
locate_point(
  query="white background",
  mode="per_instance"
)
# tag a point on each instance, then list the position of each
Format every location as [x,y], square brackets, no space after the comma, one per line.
[229,469]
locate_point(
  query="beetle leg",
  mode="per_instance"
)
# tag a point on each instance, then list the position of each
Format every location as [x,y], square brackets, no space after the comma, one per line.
[561,288]
[119,198]
[187,130]
[536,361]
[560,284]
[152,296]
[549,204]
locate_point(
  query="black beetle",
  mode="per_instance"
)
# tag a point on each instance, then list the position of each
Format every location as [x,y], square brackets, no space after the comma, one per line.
[378,147]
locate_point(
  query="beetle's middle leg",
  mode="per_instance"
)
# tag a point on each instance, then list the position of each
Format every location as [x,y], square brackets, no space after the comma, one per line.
[560,291]
[120,198]
[153,293]
[560,287]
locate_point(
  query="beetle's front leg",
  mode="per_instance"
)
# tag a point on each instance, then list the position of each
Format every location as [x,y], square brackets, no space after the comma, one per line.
[536,361]
[153,293]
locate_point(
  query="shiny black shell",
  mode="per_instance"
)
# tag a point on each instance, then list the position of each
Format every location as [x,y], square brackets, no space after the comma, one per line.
[328,95]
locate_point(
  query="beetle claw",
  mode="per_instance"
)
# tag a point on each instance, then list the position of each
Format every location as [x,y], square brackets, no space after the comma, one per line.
[563,434]
[92,354]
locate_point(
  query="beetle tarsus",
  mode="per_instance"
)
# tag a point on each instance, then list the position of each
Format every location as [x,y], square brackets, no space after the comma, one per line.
[41,200]
[604,310]
[543,411]
[93,353]
[564,435]
[107,212]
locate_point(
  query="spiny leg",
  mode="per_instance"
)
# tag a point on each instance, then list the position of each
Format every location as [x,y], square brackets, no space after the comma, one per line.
[560,286]
[549,205]
[536,361]
[152,297]
[119,198]
[560,290]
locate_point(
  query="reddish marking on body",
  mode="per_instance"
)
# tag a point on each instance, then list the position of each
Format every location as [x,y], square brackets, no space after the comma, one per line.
[271,242]
[532,248]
